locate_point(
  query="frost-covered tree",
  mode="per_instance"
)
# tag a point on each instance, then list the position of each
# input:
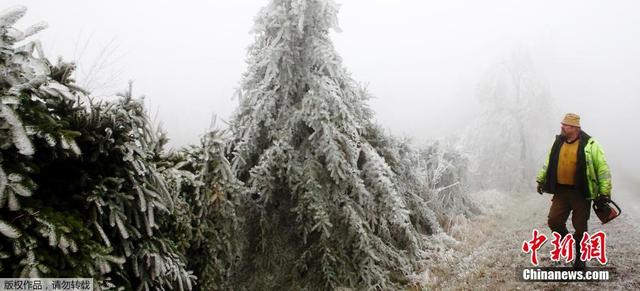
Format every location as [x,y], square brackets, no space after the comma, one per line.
[507,140]
[436,171]
[127,199]
[207,223]
[80,195]
[33,104]
[329,210]
[440,170]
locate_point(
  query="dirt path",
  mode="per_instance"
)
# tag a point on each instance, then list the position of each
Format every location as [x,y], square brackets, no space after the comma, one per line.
[486,251]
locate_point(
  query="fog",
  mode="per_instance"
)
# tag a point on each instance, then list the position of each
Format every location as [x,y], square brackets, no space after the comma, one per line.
[422,60]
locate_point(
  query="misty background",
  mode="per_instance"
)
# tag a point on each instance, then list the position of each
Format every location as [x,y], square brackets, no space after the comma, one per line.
[422,60]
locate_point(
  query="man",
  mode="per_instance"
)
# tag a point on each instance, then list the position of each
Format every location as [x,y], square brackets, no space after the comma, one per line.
[576,173]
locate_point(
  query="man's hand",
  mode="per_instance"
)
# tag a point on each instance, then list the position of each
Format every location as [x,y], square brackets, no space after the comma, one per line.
[539,188]
[602,199]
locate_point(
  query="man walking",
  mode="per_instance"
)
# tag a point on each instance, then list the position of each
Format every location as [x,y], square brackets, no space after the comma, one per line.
[576,173]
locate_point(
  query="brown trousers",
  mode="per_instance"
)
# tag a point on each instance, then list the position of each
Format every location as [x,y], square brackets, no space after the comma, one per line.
[567,200]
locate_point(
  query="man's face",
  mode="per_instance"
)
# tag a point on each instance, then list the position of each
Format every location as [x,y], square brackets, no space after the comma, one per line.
[568,130]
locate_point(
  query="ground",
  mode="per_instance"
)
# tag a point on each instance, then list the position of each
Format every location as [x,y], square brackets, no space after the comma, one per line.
[483,253]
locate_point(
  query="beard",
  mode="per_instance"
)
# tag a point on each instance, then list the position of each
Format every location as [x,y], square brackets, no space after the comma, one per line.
[563,133]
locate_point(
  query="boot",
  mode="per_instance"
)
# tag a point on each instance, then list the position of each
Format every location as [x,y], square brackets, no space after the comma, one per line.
[578,264]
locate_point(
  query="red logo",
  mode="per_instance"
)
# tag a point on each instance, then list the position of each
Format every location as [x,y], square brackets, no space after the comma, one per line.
[591,247]
[533,245]
[594,246]
[562,247]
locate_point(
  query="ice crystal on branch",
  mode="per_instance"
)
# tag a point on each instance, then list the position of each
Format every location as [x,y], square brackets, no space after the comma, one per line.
[331,209]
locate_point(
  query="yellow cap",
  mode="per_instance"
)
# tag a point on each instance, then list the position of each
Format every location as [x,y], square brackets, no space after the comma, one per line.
[571,119]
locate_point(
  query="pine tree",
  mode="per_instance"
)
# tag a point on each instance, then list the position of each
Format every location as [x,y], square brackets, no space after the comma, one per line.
[329,210]
[80,194]
[437,172]
[316,195]
[207,224]
[35,236]
[127,199]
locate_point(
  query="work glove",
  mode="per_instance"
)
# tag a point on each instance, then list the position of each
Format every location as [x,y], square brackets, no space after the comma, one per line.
[539,188]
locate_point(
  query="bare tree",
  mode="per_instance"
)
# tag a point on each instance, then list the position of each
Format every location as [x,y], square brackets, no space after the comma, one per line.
[506,140]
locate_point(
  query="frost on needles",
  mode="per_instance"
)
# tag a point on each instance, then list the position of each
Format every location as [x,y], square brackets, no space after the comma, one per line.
[330,210]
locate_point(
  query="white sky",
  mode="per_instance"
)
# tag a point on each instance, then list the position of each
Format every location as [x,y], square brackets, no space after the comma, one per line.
[421,59]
